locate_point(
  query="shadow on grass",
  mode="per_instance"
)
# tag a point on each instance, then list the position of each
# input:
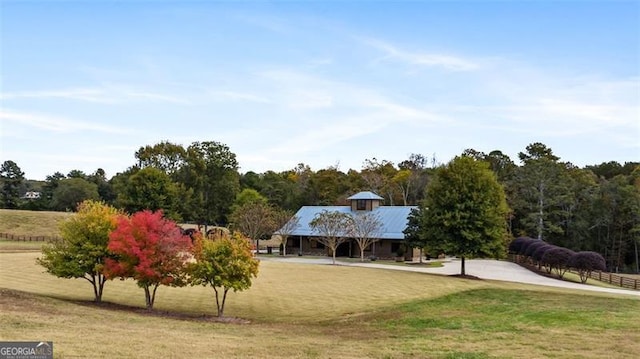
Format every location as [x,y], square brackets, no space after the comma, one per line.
[117,307]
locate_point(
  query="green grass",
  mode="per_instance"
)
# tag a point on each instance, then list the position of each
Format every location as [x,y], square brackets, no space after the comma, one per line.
[541,324]
[490,310]
[303,311]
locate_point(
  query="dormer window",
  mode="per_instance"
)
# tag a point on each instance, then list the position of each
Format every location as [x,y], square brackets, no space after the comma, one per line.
[361,204]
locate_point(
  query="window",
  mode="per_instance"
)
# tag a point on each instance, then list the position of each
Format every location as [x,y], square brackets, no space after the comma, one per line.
[361,205]
[394,247]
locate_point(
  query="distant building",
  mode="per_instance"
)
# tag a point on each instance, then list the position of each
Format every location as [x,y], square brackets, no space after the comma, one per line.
[31,195]
[394,220]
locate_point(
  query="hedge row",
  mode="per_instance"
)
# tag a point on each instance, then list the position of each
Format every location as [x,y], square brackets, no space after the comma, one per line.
[556,259]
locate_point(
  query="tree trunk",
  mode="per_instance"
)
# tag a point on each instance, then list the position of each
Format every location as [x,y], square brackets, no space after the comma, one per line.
[147,298]
[153,295]
[96,294]
[101,281]
[97,281]
[333,250]
[224,299]
[150,296]
[361,254]
[540,210]
[462,269]
[218,309]
[420,255]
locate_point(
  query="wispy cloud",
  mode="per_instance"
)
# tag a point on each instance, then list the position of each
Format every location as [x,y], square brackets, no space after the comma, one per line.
[266,22]
[446,61]
[565,105]
[115,94]
[237,96]
[55,124]
[533,103]
[80,94]
[331,112]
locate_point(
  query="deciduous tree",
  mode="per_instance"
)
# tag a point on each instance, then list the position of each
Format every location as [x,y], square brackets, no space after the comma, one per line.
[418,164]
[151,250]
[211,170]
[333,228]
[224,264]
[71,191]
[415,234]
[247,195]
[280,190]
[327,186]
[165,156]
[379,177]
[254,220]
[82,252]
[149,189]
[466,210]
[366,228]
[105,190]
[286,223]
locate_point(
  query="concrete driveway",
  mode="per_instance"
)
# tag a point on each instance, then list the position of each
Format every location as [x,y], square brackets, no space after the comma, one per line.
[481,268]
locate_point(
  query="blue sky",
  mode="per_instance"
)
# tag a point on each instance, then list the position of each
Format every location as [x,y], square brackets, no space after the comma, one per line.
[85,84]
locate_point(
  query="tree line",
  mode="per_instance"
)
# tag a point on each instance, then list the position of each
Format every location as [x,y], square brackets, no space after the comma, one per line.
[594,208]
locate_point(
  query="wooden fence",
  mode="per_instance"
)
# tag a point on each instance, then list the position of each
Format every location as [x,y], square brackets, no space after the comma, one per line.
[25,238]
[606,277]
[615,279]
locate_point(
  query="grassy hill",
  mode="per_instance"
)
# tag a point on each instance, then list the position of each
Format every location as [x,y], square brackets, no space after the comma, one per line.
[317,311]
[31,223]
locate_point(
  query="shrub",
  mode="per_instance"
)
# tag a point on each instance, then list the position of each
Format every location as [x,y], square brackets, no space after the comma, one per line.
[526,243]
[557,259]
[533,246]
[539,253]
[585,263]
[514,246]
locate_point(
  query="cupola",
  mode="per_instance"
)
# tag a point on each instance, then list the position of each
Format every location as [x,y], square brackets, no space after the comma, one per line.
[365,201]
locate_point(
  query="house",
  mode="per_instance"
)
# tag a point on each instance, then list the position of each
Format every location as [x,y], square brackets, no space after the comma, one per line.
[303,240]
[31,195]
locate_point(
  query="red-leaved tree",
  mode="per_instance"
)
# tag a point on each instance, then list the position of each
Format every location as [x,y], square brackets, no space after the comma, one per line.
[149,249]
